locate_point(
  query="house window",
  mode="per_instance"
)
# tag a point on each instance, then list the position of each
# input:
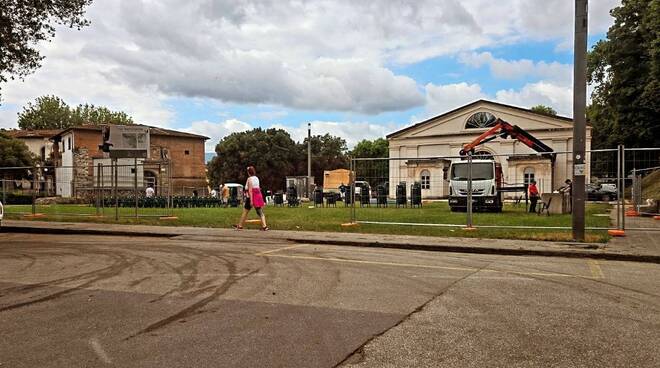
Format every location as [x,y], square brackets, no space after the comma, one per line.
[480,120]
[68,143]
[426,179]
[186,152]
[528,175]
[43,154]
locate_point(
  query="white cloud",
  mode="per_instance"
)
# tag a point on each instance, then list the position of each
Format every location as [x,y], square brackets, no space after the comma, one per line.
[518,69]
[556,96]
[443,98]
[217,131]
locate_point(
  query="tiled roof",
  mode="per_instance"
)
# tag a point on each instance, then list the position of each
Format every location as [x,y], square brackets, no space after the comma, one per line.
[152,130]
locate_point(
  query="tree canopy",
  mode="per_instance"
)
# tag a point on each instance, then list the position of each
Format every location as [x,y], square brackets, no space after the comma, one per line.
[51,112]
[23,24]
[272,152]
[625,70]
[544,110]
[378,148]
[14,153]
[275,156]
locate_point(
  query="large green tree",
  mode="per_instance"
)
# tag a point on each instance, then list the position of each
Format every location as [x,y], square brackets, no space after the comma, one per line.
[272,152]
[376,172]
[23,24]
[544,110]
[51,112]
[625,70]
[14,153]
[328,153]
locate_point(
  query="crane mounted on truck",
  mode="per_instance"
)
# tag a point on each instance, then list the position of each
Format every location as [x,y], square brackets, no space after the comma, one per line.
[487,178]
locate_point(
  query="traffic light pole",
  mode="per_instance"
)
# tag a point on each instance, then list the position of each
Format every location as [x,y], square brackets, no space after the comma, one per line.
[579,118]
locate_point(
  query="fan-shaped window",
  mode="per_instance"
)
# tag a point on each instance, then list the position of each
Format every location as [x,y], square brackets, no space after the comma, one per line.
[426,179]
[480,120]
[482,155]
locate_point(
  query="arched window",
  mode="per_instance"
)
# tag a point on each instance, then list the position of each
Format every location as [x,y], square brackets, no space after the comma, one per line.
[482,155]
[528,175]
[425,179]
[480,120]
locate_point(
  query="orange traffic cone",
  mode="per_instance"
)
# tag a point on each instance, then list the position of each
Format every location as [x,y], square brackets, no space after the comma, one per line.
[616,232]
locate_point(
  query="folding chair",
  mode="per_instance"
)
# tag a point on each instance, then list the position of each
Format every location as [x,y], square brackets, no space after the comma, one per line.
[545,206]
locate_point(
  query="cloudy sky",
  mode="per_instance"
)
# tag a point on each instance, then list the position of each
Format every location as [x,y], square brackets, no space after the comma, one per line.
[357,69]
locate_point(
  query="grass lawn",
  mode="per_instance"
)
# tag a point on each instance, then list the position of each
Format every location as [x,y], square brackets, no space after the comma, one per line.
[330,219]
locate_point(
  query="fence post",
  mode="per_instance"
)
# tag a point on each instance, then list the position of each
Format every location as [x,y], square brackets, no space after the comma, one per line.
[98,189]
[623,187]
[34,190]
[619,188]
[102,190]
[116,177]
[169,188]
[135,191]
[469,192]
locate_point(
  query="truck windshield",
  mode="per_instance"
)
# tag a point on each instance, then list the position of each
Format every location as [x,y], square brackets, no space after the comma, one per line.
[480,171]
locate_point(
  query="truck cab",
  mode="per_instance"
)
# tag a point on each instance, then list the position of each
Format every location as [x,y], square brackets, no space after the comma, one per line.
[486,182]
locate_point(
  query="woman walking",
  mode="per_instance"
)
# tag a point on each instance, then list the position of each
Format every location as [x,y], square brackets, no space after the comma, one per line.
[253,198]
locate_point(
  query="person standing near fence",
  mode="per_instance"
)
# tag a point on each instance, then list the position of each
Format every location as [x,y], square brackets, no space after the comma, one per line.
[253,198]
[533,196]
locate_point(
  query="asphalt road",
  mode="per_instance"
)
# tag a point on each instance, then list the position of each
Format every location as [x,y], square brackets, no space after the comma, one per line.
[93,301]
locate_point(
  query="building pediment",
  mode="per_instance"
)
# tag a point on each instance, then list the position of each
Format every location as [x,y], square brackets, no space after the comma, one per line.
[455,122]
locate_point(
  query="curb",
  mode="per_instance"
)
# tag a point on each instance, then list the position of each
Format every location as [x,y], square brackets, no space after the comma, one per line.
[609,256]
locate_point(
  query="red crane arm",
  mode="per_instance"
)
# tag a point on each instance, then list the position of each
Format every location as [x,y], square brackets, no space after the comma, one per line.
[504,130]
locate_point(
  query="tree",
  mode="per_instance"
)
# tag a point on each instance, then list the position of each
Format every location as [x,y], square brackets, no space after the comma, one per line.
[625,70]
[378,148]
[272,152]
[14,153]
[51,112]
[375,172]
[544,110]
[328,153]
[23,24]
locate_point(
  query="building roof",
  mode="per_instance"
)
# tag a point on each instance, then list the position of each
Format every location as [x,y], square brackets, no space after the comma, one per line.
[29,133]
[391,135]
[152,130]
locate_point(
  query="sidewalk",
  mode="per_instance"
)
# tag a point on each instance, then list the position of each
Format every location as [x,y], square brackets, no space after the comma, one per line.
[624,250]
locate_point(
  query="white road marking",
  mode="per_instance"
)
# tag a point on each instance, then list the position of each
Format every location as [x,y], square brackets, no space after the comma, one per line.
[280,249]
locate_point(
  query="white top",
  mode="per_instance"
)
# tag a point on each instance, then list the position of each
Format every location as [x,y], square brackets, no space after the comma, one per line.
[150,192]
[214,193]
[254,180]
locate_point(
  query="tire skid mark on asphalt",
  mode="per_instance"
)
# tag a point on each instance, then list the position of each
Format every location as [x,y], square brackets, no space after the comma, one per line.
[91,278]
[595,269]
[194,308]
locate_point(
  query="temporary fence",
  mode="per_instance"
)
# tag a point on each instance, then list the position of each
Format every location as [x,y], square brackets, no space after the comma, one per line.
[421,189]
[103,188]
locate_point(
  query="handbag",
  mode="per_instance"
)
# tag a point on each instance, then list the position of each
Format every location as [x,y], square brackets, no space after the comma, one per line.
[257,198]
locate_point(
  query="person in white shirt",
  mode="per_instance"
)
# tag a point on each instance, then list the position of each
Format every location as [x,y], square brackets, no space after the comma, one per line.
[254,198]
[214,193]
[150,192]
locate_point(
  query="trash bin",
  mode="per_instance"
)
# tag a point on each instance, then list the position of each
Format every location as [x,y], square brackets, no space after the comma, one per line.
[233,200]
[318,197]
[279,198]
[365,196]
[292,196]
[381,196]
[416,195]
[401,195]
[348,196]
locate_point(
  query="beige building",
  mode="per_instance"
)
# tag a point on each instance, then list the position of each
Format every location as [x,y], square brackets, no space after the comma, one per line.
[423,152]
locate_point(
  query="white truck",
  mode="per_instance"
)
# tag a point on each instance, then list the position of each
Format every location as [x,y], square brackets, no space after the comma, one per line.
[2,213]
[486,185]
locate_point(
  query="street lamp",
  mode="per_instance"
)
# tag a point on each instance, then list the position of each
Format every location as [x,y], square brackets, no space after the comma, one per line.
[309,159]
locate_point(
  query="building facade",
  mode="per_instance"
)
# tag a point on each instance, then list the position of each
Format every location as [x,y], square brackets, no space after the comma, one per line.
[78,157]
[423,152]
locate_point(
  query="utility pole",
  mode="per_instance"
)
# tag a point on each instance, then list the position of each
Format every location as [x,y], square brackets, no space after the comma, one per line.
[309,160]
[579,117]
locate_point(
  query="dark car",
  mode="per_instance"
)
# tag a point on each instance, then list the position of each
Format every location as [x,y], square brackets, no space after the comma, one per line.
[598,192]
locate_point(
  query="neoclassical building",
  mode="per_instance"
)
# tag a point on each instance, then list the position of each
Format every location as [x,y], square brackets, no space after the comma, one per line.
[423,152]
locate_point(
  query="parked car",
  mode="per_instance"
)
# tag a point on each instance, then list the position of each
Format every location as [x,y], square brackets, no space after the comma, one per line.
[601,192]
